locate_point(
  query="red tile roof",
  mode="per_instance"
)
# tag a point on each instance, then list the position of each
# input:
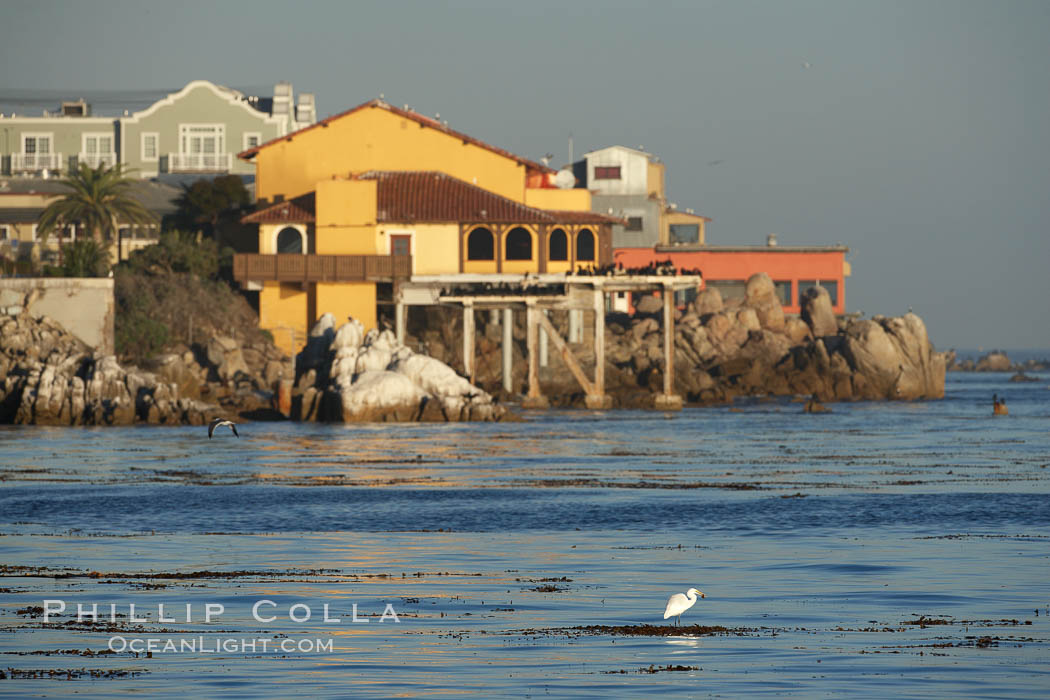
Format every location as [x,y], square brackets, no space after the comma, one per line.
[431,197]
[299,210]
[414,116]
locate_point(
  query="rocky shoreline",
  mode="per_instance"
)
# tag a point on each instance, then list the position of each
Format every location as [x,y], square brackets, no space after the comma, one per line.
[723,350]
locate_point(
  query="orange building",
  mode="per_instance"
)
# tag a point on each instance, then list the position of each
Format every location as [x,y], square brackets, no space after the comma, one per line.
[793,269]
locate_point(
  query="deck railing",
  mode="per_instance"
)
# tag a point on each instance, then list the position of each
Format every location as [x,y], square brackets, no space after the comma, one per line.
[320,268]
[36,161]
[93,160]
[198,162]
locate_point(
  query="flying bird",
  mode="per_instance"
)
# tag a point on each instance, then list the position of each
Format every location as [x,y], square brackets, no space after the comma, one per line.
[218,423]
[679,603]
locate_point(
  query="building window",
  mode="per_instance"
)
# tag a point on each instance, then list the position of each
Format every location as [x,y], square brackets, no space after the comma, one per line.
[290,240]
[607,172]
[585,246]
[519,244]
[149,146]
[559,245]
[5,233]
[729,289]
[832,287]
[634,223]
[783,291]
[481,245]
[401,244]
[252,139]
[34,144]
[685,233]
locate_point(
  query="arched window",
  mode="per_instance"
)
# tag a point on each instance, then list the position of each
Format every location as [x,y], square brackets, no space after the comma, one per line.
[289,240]
[585,245]
[481,245]
[559,245]
[519,244]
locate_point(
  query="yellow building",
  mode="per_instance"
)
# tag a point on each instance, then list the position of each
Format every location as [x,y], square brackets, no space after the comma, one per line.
[357,203]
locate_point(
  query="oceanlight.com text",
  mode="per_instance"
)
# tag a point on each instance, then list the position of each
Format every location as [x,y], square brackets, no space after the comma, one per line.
[220,645]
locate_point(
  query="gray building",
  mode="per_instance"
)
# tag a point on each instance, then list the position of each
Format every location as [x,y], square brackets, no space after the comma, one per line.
[629,183]
[198,130]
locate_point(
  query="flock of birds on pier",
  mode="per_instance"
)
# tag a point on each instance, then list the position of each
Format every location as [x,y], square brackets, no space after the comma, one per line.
[664,268]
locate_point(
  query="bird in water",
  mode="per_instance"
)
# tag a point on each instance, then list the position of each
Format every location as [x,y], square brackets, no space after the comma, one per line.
[679,603]
[220,422]
[999,406]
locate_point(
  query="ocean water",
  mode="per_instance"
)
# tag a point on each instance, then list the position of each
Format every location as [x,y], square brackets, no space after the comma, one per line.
[883,549]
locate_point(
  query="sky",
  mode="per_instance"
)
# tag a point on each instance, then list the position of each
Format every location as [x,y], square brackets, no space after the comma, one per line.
[915,133]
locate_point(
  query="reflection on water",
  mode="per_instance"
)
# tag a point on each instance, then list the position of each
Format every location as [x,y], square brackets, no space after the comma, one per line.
[879,550]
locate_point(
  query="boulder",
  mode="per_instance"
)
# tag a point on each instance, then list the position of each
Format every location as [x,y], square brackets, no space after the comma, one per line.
[709,301]
[761,295]
[817,312]
[796,330]
[994,362]
[650,304]
[373,377]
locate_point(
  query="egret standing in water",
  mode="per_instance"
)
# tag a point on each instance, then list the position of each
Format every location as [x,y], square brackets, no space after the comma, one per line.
[679,603]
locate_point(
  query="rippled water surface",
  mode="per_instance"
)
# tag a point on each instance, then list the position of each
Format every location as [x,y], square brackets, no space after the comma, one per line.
[879,550]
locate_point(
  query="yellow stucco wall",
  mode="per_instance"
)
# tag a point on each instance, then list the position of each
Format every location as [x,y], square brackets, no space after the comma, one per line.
[346,217]
[655,179]
[283,311]
[343,299]
[435,247]
[374,138]
[566,200]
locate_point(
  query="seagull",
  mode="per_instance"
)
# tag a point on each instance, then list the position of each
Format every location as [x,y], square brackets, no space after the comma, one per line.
[679,603]
[218,423]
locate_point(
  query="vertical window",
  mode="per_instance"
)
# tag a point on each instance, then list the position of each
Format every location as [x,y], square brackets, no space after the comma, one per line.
[5,233]
[251,139]
[519,244]
[559,245]
[481,245]
[149,146]
[400,244]
[585,245]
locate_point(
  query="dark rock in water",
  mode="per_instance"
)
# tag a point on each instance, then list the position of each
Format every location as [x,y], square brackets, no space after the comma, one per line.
[1022,377]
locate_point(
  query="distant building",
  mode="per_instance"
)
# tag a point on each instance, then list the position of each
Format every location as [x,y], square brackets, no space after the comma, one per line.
[23,199]
[197,130]
[630,184]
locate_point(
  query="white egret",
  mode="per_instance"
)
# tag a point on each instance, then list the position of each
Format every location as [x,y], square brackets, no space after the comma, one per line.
[679,603]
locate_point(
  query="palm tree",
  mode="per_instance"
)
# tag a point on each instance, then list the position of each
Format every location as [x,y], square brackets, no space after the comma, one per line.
[98,199]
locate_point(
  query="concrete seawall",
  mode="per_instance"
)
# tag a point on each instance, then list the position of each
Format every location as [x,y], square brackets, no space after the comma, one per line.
[84,306]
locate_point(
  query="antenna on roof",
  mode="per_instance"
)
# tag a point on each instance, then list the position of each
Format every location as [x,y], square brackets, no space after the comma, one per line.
[570,146]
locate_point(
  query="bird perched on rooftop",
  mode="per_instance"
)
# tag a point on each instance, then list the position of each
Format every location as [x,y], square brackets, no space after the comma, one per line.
[679,603]
[220,422]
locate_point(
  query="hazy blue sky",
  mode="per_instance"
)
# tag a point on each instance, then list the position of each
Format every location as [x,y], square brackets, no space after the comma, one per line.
[918,135]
